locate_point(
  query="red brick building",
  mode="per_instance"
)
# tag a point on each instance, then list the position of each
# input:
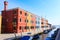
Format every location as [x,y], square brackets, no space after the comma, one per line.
[14,20]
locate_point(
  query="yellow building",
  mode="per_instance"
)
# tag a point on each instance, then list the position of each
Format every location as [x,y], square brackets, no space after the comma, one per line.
[0,23]
[29,21]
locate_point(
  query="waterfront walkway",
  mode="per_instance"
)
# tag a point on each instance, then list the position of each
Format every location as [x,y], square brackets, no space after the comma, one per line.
[12,35]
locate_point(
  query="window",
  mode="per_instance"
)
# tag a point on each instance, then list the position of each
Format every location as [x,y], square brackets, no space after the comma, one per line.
[14,20]
[14,12]
[32,27]
[20,12]
[37,26]
[14,27]
[25,14]
[37,22]
[20,19]
[26,27]
[45,26]
[42,26]
[26,21]
[41,22]
[14,23]
[20,28]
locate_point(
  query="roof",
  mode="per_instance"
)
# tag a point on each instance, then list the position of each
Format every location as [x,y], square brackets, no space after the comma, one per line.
[11,9]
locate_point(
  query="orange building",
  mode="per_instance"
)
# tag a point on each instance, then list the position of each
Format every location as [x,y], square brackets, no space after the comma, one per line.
[33,21]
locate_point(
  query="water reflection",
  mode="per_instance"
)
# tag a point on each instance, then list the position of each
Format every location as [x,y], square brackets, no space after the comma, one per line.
[37,38]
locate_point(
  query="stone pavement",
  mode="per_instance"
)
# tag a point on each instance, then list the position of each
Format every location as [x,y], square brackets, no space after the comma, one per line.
[12,35]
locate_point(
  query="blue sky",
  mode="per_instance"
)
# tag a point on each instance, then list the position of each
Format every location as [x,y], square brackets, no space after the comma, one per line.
[49,9]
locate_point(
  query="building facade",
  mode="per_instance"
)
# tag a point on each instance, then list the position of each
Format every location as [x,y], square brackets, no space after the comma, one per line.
[18,20]
[44,24]
[50,26]
[29,24]
[38,25]
[33,27]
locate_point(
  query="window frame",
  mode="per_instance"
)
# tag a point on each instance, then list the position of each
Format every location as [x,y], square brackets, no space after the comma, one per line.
[21,12]
[20,19]
[14,28]
[20,27]
[32,27]
[25,14]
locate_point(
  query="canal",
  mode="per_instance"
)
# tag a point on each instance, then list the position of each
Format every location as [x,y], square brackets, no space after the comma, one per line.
[41,37]
[51,35]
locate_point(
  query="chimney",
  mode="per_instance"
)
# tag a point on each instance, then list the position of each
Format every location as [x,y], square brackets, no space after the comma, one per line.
[5,5]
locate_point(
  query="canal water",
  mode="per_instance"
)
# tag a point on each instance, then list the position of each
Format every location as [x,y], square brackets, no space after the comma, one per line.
[41,37]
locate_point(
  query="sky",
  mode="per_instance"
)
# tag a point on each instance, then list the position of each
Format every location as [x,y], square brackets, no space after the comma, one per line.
[49,9]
